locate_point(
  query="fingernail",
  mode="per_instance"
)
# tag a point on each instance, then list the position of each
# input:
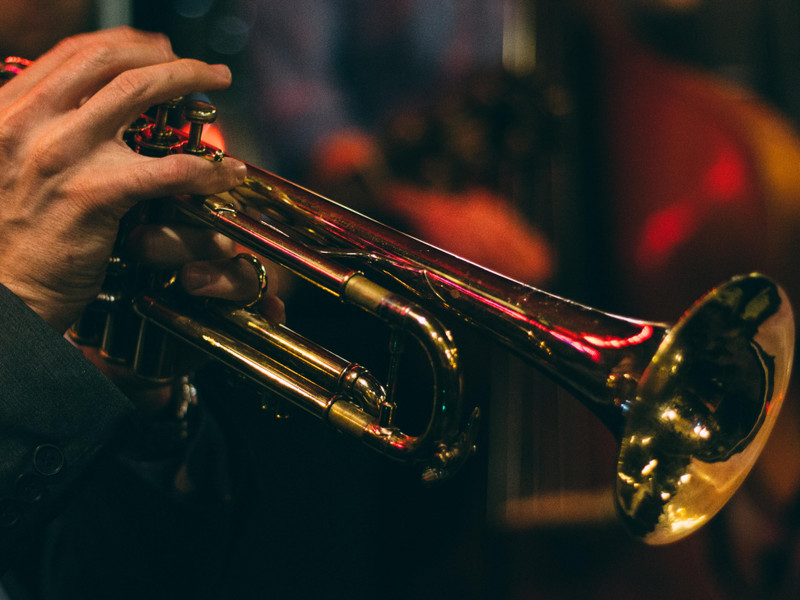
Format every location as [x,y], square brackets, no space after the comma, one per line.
[195,277]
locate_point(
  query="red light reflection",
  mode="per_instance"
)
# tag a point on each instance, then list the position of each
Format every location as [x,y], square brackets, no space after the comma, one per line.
[645,334]
[666,230]
[585,343]
[725,179]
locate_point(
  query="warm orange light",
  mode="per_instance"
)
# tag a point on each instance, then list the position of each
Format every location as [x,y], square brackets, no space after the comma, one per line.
[212,136]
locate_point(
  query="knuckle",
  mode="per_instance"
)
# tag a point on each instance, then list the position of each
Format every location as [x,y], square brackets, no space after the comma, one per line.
[7,132]
[132,84]
[47,157]
[97,56]
[10,128]
[70,45]
[165,52]
[145,179]
[7,145]
[162,41]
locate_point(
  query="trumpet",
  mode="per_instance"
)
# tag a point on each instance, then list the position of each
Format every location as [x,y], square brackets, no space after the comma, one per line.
[691,404]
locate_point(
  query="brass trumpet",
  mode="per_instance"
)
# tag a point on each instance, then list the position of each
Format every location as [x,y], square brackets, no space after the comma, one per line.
[691,405]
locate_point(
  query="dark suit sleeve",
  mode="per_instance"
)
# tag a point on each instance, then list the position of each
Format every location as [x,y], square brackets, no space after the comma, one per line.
[57,411]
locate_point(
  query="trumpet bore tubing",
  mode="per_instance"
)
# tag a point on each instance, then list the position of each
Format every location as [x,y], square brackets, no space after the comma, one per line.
[314,379]
[354,288]
[597,356]
[435,340]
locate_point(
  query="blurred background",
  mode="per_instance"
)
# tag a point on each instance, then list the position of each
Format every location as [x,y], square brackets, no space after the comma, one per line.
[628,154]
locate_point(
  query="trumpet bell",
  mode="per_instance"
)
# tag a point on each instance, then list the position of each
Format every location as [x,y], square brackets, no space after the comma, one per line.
[704,409]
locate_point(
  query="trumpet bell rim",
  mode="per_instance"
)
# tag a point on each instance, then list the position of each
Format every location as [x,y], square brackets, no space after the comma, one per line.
[704,409]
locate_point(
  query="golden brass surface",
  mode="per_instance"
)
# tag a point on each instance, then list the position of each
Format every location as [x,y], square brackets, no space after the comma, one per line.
[691,404]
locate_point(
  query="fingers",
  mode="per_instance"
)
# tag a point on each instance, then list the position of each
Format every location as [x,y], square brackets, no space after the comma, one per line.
[179,174]
[133,91]
[171,246]
[71,46]
[92,69]
[110,77]
[272,308]
[130,177]
[99,56]
[65,161]
[228,279]
[84,93]
[234,280]
[206,267]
